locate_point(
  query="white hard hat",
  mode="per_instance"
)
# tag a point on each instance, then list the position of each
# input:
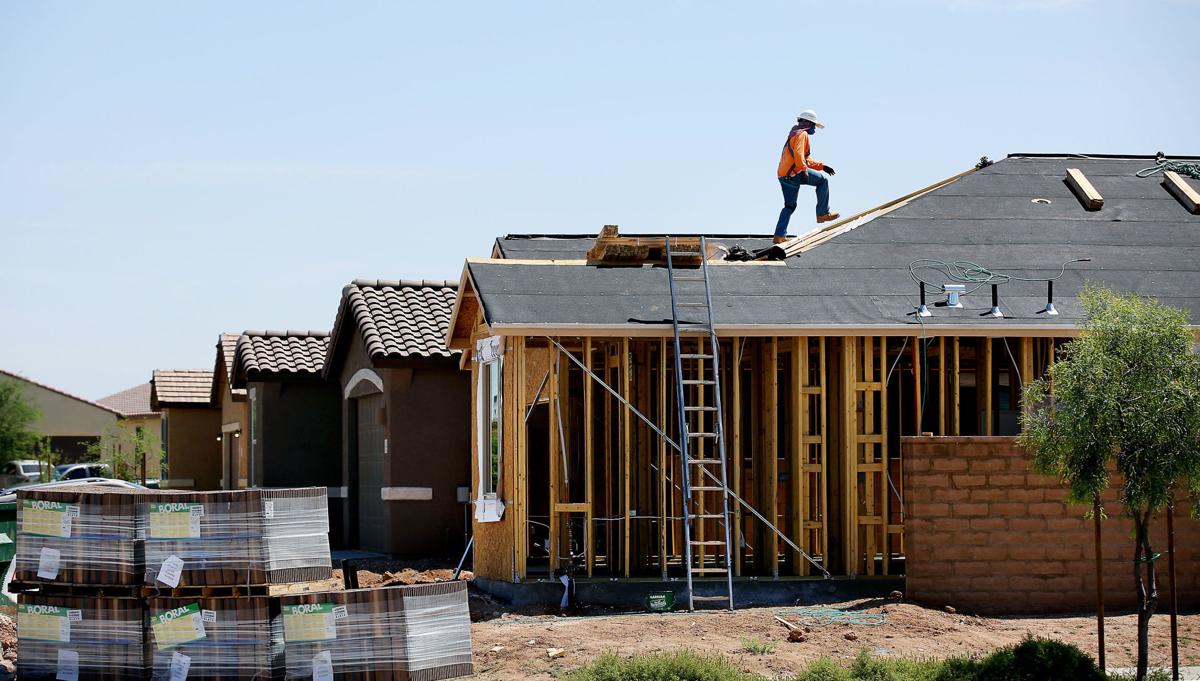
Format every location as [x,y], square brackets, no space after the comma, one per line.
[810,115]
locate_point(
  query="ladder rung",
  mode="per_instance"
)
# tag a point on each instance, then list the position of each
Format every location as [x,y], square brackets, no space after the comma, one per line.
[710,542]
[709,571]
[703,461]
[692,355]
[707,516]
[710,598]
[698,381]
[686,408]
[708,435]
[691,304]
[706,488]
[687,279]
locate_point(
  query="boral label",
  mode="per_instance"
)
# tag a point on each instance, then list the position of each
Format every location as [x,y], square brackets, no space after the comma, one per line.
[47,518]
[175,520]
[177,626]
[44,623]
[309,622]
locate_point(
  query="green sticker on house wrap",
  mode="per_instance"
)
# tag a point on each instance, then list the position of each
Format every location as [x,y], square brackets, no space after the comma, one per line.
[178,626]
[309,622]
[175,520]
[44,623]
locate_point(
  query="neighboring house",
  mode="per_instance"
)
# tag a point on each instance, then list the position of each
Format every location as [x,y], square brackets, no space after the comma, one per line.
[406,442]
[235,416]
[139,436]
[294,429]
[72,423]
[877,440]
[191,427]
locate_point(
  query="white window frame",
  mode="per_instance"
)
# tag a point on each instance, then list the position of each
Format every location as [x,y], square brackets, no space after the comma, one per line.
[490,415]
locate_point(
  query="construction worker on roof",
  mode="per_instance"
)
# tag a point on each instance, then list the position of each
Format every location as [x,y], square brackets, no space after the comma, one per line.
[796,168]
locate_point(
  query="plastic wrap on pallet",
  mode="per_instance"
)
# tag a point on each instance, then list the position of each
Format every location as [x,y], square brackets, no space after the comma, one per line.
[68,536]
[420,632]
[75,637]
[215,638]
[239,537]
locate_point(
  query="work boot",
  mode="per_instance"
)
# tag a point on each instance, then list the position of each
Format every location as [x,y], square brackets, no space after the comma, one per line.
[780,239]
[828,217]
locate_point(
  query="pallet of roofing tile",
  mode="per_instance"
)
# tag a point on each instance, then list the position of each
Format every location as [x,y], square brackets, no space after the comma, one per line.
[239,539]
[203,639]
[401,633]
[78,537]
[78,637]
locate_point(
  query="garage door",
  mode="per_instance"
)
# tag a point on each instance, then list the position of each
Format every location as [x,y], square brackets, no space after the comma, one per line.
[371,526]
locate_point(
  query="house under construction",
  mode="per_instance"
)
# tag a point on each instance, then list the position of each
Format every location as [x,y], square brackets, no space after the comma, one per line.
[802,375]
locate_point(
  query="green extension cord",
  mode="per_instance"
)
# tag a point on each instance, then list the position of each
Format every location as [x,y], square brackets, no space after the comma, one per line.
[820,617]
[1192,170]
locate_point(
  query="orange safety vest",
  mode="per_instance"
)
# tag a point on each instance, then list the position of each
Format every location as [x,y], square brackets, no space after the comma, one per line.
[795,158]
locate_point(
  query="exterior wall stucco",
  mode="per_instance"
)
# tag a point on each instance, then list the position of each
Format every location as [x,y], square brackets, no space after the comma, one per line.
[193,452]
[985,533]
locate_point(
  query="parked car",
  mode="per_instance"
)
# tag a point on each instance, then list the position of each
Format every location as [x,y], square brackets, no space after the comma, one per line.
[9,494]
[17,472]
[78,471]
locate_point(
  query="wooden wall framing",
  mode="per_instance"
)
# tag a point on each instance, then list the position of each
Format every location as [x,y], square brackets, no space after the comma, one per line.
[811,435]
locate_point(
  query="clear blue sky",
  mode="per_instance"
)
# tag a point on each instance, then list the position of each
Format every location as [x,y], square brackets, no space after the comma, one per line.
[171,171]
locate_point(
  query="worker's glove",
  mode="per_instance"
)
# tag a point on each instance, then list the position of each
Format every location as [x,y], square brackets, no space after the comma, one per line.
[829,169]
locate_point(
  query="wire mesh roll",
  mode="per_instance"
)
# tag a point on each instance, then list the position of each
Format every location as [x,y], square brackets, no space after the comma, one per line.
[420,632]
[215,638]
[85,637]
[69,536]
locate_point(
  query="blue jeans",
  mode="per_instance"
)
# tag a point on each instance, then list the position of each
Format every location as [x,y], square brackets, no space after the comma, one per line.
[791,188]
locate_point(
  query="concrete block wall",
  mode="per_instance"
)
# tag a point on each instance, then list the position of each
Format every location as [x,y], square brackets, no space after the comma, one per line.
[983,533]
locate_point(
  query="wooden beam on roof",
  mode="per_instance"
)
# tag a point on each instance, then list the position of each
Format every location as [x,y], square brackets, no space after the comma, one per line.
[1087,194]
[1182,191]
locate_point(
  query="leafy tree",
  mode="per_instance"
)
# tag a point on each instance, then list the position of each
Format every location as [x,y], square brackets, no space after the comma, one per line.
[123,449]
[1124,396]
[17,437]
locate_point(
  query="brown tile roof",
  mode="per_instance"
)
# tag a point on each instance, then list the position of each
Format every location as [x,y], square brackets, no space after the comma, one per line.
[397,319]
[181,387]
[64,393]
[280,352]
[132,402]
[226,351]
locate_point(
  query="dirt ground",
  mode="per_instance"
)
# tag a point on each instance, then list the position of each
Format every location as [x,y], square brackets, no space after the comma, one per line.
[514,646]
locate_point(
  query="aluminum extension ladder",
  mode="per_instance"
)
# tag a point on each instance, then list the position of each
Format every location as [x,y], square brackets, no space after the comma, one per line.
[698,374]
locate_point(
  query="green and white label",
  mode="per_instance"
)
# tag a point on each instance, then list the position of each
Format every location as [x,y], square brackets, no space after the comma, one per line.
[47,518]
[44,623]
[175,520]
[178,626]
[309,622]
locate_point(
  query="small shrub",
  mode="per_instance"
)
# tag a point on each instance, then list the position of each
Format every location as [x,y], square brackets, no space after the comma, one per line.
[1039,659]
[756,647]
[824,669]
[676,666]
[868,667]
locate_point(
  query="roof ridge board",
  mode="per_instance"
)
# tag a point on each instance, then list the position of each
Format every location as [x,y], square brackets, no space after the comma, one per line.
[401,283]
[532,237]
[1105,157]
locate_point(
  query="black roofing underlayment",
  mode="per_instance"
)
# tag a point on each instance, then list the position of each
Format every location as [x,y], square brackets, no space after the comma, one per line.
[1142,240]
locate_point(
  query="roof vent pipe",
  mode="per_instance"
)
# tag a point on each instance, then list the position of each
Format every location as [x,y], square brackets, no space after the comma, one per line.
[995,311]
[1049,309]
[954,293]
[922,310]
